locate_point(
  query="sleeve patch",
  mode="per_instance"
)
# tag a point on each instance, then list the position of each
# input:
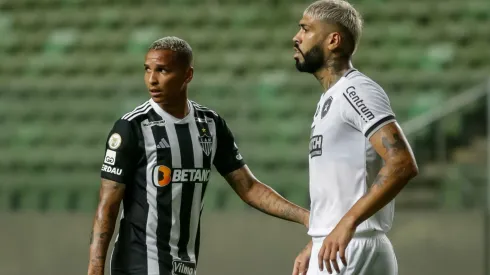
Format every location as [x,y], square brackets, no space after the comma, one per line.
[114,141]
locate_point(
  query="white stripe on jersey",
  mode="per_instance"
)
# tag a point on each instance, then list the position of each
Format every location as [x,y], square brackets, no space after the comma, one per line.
[142,112]
[176,190]
[203,109]
[196,202]
[194,222]
[137,109]
[151,197]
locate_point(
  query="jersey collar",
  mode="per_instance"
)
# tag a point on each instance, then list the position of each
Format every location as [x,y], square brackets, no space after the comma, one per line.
[339,81]
[171,118]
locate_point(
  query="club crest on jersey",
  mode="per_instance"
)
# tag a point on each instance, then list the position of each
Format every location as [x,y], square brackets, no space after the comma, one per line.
[183,268]
[326,106]
[206,143]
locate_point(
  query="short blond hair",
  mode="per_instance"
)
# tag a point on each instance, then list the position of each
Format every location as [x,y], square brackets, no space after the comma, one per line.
[175,44]
[341,13]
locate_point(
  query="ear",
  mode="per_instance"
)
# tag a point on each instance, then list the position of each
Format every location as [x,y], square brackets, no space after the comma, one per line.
[190,75]
[334,40]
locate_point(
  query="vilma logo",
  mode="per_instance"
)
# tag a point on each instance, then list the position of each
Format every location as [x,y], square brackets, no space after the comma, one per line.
[326,106]
[115,141]
[183,268]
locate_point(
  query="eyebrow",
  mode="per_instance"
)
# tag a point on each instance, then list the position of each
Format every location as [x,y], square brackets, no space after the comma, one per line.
[157,65]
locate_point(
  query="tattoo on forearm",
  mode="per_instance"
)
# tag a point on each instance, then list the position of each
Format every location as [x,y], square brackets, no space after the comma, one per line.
[264,198]
[104,227]
[379,180]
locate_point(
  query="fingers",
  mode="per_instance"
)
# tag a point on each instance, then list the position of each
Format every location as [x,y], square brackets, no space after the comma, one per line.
[342,254]
[296,267]
[333,258]
[300,266]
[320,256]
[303,267]
[306,263]
[326,257]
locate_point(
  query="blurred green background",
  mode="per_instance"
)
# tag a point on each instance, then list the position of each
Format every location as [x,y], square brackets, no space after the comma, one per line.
[70,68]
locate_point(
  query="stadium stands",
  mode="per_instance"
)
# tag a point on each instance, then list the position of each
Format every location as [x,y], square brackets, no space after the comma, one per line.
[69,69]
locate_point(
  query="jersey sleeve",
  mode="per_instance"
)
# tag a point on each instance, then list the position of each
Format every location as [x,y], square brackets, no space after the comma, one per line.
[367,108]
[228,157]
[119,161]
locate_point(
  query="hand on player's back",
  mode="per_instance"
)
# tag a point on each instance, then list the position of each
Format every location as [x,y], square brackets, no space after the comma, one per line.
[336,241]
[302,260]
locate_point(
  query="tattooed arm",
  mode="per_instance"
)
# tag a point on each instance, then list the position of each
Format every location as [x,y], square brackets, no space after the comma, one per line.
[400,166]
[264,198]
[111,194]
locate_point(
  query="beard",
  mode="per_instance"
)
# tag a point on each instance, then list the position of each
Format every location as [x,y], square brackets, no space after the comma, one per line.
[313,60]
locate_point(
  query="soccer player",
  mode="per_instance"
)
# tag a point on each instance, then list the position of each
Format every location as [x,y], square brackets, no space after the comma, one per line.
[359,157]
[157,162]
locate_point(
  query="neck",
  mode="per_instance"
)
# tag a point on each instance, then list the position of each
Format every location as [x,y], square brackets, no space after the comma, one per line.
[333,70]
[177,107]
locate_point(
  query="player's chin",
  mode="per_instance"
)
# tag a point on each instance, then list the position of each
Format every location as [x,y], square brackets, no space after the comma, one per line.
[300,66]
[157,98]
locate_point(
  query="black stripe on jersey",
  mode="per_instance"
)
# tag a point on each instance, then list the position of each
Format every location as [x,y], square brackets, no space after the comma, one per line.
[348,100]
[201,122]
[164,199]
[187,159]
[198,237]
[376,125]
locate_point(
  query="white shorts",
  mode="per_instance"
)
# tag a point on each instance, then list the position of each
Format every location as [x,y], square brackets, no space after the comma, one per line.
[366,254]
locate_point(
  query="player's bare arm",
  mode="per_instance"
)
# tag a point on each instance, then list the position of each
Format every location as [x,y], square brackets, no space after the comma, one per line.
[400,166]
[264,198]
[111,194]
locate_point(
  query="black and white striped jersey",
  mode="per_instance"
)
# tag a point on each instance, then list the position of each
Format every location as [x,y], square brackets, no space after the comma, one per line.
[165,164]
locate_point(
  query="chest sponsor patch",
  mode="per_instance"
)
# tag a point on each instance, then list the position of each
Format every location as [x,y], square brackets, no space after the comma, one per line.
[316,146]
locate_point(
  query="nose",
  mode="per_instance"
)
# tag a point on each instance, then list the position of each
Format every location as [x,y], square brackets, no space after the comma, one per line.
[153,79]
[296,39]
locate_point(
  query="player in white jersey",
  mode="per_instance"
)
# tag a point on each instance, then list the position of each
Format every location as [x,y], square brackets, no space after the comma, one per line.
[359,157]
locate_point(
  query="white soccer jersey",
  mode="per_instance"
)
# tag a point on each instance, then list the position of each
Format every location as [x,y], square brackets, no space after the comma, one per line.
[342,162]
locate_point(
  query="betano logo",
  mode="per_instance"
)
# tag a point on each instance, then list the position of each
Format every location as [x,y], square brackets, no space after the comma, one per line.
[162,175]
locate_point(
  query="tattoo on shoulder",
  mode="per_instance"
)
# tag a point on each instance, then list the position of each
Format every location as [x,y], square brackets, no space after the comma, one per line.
[395,145]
